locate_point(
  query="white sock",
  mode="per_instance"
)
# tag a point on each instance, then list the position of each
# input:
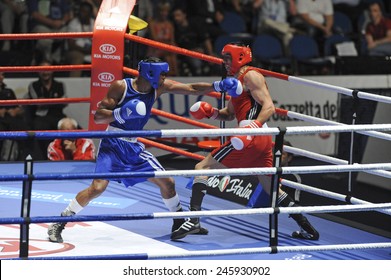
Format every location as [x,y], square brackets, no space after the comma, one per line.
[173,204]
[74,206]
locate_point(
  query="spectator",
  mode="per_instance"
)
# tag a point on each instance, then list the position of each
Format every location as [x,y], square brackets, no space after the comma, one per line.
[46,17]
[79,50]
[273,17]
[11,119]
[209,13]
[352,8]
[191,34]
[71,149]
[378,32]
[45,117]
[12,12]
[95,6]
[247,9]
[316,18]
[162,30]
[144,9]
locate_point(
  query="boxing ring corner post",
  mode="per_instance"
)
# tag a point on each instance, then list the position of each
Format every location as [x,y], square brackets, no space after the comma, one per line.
[26,207]
[273,218]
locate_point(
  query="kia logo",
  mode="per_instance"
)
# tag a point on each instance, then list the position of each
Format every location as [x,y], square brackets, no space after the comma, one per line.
[106,77]
[107,48]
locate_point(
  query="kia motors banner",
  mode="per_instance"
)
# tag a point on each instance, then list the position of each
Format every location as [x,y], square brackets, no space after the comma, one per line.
[107,51]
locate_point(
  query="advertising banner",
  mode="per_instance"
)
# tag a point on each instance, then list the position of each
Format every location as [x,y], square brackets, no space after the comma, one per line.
[244,190]
[107,53]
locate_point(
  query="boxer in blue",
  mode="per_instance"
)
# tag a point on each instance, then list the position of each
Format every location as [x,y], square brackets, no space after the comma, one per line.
[127,106]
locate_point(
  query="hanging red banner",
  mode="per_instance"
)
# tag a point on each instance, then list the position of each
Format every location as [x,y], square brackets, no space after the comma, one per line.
[107,53]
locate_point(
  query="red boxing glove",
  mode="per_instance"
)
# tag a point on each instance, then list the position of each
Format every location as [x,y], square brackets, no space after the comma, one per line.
[201,110]
[242,141]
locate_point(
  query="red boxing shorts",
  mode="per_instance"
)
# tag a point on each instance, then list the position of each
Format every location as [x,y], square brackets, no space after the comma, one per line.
[257,154]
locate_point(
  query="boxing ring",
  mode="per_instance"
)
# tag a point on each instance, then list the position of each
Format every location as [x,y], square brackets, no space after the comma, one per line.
[107,230]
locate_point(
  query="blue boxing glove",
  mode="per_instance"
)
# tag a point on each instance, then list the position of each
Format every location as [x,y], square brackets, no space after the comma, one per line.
[133,109]
[230,85]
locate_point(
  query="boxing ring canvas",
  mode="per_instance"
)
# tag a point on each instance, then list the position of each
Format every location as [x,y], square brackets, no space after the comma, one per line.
[153,235]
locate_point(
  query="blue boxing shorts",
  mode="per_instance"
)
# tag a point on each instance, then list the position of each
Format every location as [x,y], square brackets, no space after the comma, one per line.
[125,155]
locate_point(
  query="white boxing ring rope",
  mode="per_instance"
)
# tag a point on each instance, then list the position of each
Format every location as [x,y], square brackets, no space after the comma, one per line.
[206,172]
[275,131]
[262,170]
[283,170]
[325,193]
[172,133]
[205,213]
[282,210]
[224,252]
[317,156]
[329,194]
[338,89]
[228,132]
[333,160]
[221,252]
[242,251]
[295,115]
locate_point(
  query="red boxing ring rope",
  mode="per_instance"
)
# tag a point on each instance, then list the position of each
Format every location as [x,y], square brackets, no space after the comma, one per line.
[174,49]
[145,41]
[54,68]
[45,101]
[87,100]
[170,149]
[142,140]
[35,36]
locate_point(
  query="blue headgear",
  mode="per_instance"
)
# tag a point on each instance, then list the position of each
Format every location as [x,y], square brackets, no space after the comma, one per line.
[151,71]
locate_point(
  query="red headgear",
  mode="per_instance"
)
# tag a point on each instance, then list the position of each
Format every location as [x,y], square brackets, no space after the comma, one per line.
[241,55]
